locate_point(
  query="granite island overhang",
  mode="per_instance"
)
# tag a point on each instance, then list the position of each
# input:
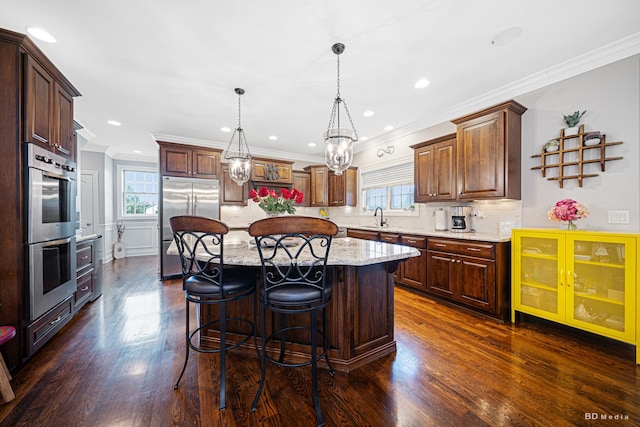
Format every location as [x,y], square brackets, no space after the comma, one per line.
[360,325]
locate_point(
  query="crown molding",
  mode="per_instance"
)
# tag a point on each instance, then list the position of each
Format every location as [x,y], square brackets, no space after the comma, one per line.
[255,152]
[607,54]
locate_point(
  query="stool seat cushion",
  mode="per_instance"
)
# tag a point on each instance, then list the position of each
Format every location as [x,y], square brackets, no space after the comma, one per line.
[236,280]
[298,294]
[6,333]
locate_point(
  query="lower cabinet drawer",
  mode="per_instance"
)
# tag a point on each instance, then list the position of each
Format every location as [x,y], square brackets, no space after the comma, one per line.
[84,289]
[477,249]
[414,241]
[41,331]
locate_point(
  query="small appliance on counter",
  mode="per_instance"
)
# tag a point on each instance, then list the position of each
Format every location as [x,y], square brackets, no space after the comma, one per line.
[441,220]
[461,219]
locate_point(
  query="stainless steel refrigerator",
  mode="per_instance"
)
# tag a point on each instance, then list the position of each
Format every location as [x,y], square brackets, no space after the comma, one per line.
[184,196]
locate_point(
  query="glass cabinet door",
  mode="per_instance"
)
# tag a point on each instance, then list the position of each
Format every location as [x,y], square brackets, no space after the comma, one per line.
[601,284]
[540,290]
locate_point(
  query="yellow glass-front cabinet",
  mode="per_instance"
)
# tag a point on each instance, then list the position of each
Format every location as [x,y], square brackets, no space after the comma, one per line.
[583,279]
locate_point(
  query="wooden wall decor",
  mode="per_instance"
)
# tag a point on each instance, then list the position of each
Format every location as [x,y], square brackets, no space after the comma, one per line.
[574,154]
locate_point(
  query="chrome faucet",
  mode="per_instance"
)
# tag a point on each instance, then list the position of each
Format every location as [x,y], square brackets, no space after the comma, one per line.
[382,221]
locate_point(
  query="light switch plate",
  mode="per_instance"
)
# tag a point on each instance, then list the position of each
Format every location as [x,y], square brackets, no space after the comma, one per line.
[618,217]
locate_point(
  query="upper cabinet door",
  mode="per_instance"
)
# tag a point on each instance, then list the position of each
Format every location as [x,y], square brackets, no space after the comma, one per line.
[63,122]
[206,164]
[175,161]
[319,186]
[38,104]
[488,153]
[435,169]
[481,157]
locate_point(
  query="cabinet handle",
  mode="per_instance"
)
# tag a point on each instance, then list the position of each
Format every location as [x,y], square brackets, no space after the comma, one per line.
[561,276]
[85,257]
[459,262]
[453,260]
[412,241]
[474,249]
[440,245]
[86,288]
[53,322]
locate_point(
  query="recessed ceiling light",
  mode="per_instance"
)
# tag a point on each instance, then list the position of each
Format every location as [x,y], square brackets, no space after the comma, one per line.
[364,138]
[311,144]
[388,127]
[114,122]
[41,34]
[368,113]
[506,36]
[225,129]
[137,151]
[273,137]
[422,83]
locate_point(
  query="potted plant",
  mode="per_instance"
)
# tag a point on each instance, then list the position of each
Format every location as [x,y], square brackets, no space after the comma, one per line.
[572,121]
[551,145]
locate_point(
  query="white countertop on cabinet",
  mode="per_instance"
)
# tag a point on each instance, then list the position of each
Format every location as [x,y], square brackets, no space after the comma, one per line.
[485,237]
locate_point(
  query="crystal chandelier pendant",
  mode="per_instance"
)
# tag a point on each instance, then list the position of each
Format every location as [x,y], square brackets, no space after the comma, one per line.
[239,157]
[338,141]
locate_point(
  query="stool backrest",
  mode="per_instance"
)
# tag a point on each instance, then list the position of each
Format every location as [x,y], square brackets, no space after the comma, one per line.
[293,252]
[200,245]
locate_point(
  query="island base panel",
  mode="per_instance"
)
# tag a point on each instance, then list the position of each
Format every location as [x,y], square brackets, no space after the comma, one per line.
[359,319]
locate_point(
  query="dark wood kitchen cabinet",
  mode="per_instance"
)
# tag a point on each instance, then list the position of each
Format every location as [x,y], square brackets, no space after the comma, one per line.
[271,172]
[488,146]
[85,257]
[435,169]
[48,109]
[302,181]
[189,161]
[412,271]
[45,110]
[472,273]
[329,189]
[232,193]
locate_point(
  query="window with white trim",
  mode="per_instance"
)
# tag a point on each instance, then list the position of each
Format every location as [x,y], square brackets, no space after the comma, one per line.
[140,192]
[390,188]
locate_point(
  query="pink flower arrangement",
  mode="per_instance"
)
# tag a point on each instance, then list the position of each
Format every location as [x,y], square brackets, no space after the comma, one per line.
[272,202]
[568,210]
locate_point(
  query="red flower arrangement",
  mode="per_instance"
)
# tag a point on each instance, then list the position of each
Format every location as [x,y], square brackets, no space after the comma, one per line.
[273,203]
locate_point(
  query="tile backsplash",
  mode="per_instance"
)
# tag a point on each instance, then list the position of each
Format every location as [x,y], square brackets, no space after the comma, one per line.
[495,217]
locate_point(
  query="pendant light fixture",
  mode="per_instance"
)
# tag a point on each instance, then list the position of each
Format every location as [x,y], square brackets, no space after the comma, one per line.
[240,158]
[338,141]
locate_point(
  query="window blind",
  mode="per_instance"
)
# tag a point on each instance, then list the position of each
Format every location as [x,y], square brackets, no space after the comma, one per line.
[385,177]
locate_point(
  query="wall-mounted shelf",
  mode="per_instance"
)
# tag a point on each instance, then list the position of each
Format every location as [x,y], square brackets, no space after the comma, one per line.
[563,157]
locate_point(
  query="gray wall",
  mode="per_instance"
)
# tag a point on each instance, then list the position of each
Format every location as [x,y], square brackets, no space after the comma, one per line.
[611,96]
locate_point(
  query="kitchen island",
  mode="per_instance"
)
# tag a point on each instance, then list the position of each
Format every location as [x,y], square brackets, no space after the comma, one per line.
[360,314]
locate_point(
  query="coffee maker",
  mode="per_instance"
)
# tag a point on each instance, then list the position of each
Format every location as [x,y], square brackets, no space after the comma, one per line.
[461,219]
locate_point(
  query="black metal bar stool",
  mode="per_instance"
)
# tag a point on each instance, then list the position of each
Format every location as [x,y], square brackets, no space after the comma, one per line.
[293,252]
[207,281]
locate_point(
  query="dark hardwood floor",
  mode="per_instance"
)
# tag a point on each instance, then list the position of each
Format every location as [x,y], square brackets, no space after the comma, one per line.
[115,364]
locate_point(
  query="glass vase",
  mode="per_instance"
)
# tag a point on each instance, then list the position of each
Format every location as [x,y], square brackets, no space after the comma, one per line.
[571,225]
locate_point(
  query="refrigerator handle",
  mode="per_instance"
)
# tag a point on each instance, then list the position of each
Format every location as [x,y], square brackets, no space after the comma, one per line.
[195,204]
[188,204]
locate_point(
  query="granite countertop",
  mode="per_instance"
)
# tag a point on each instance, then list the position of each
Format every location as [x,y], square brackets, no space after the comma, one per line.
[485,237]
[344,251]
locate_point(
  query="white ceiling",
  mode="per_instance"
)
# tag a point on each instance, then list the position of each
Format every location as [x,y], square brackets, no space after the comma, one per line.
[168,69]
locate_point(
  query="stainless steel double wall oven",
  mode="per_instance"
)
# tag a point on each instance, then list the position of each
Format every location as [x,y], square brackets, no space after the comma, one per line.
[50,198]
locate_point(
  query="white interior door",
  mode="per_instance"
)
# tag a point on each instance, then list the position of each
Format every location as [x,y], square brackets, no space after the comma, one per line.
[88,202]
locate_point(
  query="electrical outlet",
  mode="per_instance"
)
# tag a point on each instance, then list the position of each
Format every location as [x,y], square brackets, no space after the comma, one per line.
[618,217]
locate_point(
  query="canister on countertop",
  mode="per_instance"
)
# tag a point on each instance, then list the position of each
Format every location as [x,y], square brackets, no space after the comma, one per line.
[441,220]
